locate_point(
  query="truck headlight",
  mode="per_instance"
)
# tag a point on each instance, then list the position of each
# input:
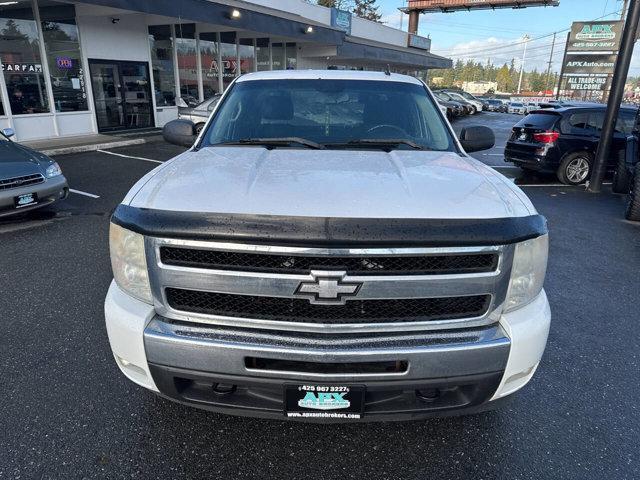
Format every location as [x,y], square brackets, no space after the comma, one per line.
[528,272]
[53,170]
[129,263]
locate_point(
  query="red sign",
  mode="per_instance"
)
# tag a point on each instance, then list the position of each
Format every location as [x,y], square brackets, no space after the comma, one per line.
[455,5]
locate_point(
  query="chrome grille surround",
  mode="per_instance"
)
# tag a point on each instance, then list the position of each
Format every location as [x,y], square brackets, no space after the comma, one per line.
[373,287]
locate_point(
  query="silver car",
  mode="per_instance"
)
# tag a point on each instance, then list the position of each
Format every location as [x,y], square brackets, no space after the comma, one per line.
[28,179]
[200,113]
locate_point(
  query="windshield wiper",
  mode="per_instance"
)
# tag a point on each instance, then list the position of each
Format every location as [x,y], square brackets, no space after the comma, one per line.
[274,142]
[387,143]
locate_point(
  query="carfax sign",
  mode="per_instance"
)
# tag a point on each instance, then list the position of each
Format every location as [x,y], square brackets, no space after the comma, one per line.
[598,36]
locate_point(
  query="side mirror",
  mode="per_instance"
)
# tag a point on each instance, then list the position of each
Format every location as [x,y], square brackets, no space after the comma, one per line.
[8,132]
[476,138]
[180,132]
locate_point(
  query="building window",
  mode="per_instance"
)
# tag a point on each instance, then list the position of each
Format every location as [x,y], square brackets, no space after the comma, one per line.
[292,56]
[209,62]
[245,52]
[277,53]
[164,81]
[62,47]
[229,58]
[187,64]
[262,54]
[21,62]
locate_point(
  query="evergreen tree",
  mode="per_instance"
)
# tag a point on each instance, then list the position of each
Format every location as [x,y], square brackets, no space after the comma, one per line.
[367,9]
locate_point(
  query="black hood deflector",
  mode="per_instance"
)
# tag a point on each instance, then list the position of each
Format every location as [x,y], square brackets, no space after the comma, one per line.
[329,232]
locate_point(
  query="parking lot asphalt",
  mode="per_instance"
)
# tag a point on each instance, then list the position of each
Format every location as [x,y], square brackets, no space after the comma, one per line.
[67,412]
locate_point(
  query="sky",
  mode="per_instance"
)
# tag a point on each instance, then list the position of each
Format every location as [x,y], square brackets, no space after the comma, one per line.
[484,35]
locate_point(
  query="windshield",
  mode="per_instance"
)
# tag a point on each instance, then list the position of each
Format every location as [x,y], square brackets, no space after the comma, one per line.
[468,96]
[329,114]
[517,105]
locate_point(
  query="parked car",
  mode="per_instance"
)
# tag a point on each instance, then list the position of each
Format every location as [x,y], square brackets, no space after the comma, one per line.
[301,265]
[494,105]
[476,106]
[28,179]
[626,178]
[200,113]
[458,108]
[531,106]
[468,97]
[518,108]
[447,112]
[564,140]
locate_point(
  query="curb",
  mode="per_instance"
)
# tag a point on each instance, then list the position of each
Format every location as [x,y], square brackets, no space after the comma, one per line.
[93,147]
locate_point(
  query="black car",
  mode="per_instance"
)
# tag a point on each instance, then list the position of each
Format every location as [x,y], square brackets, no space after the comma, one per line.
[494,105]
[465,107]
[564,140]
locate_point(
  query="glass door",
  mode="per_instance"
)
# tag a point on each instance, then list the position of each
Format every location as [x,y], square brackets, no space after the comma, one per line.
[122,95]
[105,80]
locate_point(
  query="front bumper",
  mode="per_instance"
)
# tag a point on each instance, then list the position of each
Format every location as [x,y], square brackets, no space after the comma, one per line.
[49,191]
[463,370]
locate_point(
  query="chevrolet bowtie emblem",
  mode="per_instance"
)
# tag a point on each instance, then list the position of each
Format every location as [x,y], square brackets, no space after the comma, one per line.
[328,288]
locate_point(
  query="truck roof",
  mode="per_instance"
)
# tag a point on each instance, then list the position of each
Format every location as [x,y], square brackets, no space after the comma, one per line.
[327,75]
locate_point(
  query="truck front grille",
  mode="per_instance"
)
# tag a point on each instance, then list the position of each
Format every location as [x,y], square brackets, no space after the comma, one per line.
[329,290]
[353,265]
[353,311]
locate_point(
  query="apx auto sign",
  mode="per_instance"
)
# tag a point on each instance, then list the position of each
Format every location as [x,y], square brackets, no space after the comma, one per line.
[597,36]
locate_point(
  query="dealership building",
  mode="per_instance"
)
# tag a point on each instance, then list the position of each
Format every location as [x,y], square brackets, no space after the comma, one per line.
[97,66]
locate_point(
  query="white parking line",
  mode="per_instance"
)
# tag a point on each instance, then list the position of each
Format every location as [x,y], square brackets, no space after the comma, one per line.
[493,154]
[556,185]
[80,192]
[129,156]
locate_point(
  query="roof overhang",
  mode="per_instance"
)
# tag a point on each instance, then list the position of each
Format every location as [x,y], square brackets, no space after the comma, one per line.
[204,11]
[351,50]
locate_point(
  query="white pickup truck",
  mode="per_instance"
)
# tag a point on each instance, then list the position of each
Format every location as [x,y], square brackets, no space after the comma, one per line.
[326,250]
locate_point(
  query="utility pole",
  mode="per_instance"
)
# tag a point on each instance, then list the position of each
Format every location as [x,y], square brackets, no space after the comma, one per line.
[524,56]
[624,9]
[615,96]
[564,62]
[546,84]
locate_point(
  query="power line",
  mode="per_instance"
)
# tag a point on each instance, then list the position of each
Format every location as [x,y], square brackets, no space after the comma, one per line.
[521,42]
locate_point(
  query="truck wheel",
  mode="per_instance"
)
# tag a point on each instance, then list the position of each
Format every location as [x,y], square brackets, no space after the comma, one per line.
[575,168]
[633,200]
[199,128]
[621,180]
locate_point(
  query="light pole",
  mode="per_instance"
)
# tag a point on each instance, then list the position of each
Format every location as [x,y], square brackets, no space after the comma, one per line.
[524,56]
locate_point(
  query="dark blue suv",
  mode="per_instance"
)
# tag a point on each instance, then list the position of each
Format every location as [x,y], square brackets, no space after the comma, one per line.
[564,140]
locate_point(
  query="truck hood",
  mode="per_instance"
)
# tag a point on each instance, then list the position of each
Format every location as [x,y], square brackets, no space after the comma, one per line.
[329,183]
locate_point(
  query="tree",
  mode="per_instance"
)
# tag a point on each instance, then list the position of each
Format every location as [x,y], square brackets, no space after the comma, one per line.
[367,9]
[340,4]
[504,79]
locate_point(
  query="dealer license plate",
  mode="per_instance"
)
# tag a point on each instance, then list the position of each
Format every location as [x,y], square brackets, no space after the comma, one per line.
[25,200]
[324,401]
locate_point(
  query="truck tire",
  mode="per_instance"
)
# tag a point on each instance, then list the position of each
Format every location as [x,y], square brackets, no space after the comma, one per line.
[621,180]
[575,168]
[633,200]
[199,127]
